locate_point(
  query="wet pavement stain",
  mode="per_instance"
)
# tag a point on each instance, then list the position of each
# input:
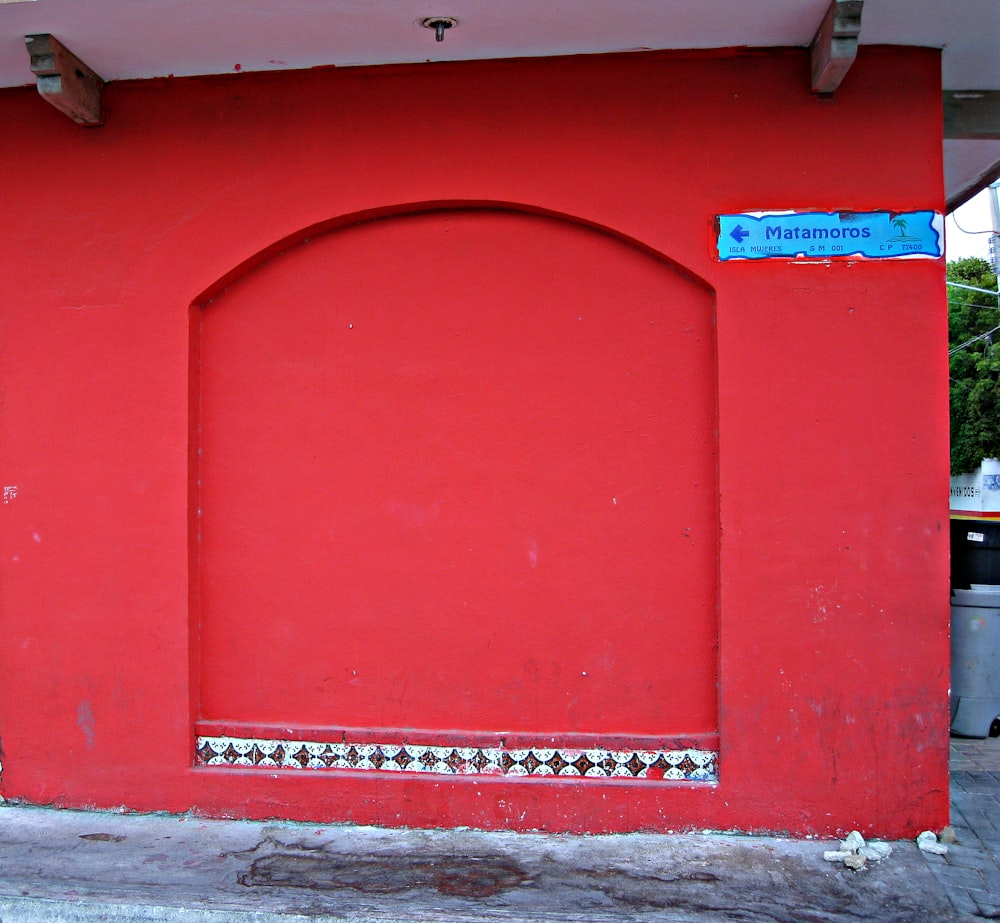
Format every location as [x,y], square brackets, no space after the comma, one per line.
[639,891]
[102,837]
[745,882]
[457,876]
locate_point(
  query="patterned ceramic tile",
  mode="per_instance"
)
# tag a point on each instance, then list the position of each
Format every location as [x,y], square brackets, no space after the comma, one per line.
[674,765]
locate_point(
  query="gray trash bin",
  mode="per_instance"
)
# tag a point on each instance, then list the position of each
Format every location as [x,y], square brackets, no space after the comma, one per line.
[975,660]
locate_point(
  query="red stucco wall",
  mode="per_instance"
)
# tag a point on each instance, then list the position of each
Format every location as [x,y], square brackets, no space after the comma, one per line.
[832,582]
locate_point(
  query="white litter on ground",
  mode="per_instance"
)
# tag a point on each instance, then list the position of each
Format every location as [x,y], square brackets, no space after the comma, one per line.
[855,853]
[928,842]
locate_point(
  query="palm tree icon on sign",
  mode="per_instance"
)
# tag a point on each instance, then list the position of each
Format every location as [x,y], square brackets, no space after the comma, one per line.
[899,223]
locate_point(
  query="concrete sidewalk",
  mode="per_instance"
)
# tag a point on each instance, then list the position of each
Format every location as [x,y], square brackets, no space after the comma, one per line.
[76,866]
[70,866]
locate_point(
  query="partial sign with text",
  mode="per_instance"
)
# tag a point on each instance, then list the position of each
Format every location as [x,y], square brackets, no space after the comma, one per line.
[794,235]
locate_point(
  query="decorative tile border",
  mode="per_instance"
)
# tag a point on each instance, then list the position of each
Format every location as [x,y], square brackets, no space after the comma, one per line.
[688,765]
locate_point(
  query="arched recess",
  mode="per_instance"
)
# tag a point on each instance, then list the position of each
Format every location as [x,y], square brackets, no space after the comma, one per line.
[457,483]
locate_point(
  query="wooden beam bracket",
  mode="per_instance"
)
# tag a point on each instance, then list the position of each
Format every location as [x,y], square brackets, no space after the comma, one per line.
[835,46]
[64,80]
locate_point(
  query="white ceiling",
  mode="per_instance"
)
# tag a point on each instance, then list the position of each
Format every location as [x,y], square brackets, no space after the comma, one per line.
[155,38]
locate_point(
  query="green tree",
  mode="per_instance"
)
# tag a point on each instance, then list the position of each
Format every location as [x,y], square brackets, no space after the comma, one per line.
[974,365]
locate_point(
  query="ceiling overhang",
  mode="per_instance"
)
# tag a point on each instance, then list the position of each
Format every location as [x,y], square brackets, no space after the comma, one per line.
[157,38]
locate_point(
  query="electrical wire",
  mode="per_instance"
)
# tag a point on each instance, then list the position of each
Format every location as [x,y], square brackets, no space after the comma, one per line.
[972,304]
[968,343]
[972,288]
[953,218]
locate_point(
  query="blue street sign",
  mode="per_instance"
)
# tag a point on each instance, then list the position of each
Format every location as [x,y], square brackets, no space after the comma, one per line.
[830,235]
